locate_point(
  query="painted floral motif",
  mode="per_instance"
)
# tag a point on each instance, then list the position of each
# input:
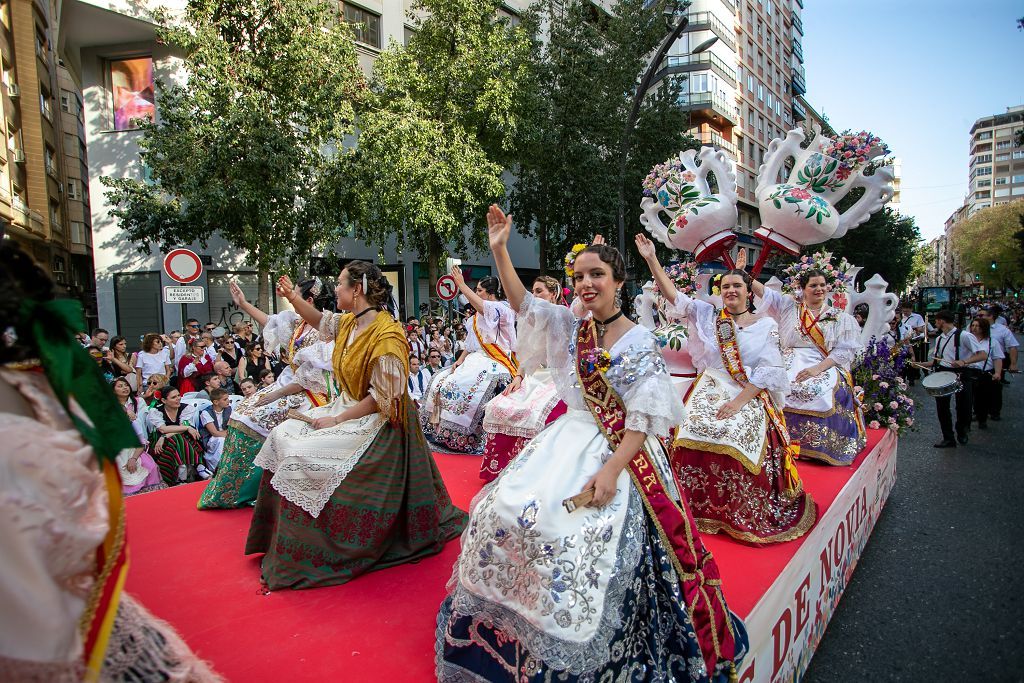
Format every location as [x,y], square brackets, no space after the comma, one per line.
[672,336]
[811,206]
[820,174]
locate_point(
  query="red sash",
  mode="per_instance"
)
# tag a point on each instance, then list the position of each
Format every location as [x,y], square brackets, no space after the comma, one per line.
[694,564]
[729,347]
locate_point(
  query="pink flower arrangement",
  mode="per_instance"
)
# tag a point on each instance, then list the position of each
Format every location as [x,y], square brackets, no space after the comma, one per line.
[837,277]
[683,276]
[853,150]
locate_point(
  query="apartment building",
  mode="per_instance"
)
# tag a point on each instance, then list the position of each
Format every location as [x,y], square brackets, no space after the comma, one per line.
[112,45]
[743,91]
[996,173]
[41,167]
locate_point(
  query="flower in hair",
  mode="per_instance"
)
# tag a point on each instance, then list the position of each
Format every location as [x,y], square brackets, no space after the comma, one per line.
[157,395]
[570,258]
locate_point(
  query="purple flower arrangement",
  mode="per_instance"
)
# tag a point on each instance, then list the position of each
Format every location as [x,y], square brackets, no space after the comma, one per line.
[881,390]
[672,170]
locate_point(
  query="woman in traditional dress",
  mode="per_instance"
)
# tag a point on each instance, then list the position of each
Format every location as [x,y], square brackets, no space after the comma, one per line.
[305,382]
[173,443]
[65,617]
[139,472]
[732,451]
[351,488]
[452,410]
[524,407]
[620,588]
[819,344]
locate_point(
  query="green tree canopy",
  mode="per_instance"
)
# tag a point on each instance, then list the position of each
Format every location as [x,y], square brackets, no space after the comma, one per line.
[241,143]
[886,244]
[989,236]
[567,178]
[442,126]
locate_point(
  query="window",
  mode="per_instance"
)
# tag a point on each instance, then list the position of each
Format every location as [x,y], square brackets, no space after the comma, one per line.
[760,92]
[1017,191]
[985,183]
[1004,192]
[983,159]
[985,170]
[750,83]
[768,9]
[67,101]
[48,160]
[78,232]
[1003,133]
[40,44]
[131,89]
[1004,145]
[55,217]
[1002,181]
[1017,179]
[769,102]
[365,24]
[44,104]
[760,122]
[74,189]
[778,108]
[987,135]
[1018,154]
[1003,157]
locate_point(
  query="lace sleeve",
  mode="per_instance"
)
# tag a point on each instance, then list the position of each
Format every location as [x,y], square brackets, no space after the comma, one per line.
[545,330]
[329,325]
[847,341]
[652,403]
[387,383]
[774,304]
[278,330]
[770,372]
[313,362]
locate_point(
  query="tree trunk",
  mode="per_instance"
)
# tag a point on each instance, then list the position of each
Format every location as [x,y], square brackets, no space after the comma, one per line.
[262,288]
[433,266]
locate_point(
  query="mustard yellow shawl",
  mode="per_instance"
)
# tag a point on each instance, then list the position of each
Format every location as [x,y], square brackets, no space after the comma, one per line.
[354,363]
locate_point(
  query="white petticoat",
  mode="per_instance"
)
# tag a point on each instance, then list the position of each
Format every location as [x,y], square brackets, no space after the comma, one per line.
[455,394]
[309,464]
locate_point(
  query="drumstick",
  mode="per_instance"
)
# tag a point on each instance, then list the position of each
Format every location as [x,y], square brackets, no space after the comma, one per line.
[579,500]
[296,415]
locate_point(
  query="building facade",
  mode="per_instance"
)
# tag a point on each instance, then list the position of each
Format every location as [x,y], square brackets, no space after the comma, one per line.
[112,45]
[42,200]
[996,171]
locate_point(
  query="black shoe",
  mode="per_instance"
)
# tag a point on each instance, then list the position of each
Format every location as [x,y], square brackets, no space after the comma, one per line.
[962,439]
[945,443]
[983,425]
[995,418]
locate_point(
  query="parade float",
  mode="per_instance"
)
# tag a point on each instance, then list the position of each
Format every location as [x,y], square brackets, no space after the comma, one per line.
[786,593]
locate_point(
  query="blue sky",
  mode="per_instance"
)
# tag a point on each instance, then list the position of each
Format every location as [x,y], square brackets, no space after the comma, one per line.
[918,75]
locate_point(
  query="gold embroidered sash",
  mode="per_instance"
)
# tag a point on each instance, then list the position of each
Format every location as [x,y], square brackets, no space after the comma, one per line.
[495,353]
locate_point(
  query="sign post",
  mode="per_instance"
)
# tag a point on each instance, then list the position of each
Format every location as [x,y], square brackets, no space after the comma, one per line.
[183,266]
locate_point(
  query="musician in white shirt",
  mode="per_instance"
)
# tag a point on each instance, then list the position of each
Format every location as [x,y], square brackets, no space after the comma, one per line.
[988,371]
[1008,340]
[955,351]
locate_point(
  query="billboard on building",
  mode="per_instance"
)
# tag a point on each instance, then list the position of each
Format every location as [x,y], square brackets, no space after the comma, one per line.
[131,84]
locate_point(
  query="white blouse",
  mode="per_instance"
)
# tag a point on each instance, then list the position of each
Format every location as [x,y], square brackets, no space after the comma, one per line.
[758,342]
[496,324]
[842,334]
[637,373]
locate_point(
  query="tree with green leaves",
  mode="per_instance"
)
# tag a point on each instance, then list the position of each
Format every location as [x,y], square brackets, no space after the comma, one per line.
[989,236]
[241,147]
[440,129]
[886,244]
[587,69]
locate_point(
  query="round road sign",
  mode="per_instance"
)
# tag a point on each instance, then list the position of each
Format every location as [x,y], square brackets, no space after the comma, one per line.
[446,287]
[183,265]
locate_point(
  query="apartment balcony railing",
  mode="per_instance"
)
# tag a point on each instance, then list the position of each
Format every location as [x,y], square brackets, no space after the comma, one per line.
[798,50]
[799,113]
[708,21]
[798,24]
[704,60]
[718,142]
[710,101]
[799,80]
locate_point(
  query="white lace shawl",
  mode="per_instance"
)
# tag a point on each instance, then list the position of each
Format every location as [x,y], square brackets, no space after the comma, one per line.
[638,373]
[758,342]
[496,324]
[842,334]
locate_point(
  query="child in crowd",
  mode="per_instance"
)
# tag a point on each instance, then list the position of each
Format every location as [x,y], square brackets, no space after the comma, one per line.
[248,387]
[266,377]
[213,423]
[418,379]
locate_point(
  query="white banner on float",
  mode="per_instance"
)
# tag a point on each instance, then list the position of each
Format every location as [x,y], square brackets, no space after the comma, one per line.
[788,622]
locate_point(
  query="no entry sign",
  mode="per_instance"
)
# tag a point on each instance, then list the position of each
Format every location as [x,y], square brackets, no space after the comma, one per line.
[446,287]
[183,265]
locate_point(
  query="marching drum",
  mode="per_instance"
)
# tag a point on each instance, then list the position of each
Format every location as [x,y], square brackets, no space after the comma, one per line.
[942,384]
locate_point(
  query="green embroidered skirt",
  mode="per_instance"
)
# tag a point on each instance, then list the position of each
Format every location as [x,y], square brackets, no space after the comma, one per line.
[392,508]
[237,480]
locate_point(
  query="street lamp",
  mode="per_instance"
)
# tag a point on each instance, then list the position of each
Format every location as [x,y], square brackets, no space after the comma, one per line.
[641,92]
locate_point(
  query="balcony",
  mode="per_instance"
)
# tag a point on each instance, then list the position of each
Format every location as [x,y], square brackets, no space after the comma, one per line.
[704,60]
[799,113]
[798,24]
[799,81]
[718,142]
[798,50]
[700,101]
[708,21]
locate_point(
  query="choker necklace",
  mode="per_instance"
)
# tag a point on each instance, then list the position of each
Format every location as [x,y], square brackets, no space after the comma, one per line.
[602,324]
[365,311]
[730,313]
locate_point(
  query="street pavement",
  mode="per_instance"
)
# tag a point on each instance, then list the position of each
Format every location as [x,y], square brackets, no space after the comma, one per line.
[937,594]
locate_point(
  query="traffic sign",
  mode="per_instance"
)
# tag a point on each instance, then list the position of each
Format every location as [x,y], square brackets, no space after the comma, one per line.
[183,265]
[184,295]
[446,287]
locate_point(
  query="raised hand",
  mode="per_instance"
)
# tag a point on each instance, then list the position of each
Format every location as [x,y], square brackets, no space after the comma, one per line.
[499,227]
[645,247]
[456,272]
[598,239]
[285,287]
[237,295]
[741,259]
